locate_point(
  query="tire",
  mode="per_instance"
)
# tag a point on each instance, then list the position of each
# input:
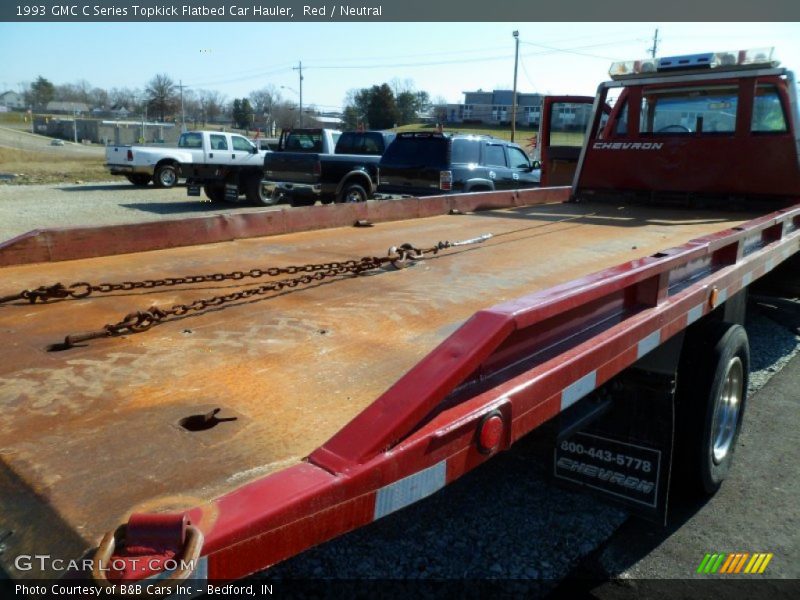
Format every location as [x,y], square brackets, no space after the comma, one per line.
[165,176]
[138,179]
[255,194]
[710,404]
[353,192]
[215,192]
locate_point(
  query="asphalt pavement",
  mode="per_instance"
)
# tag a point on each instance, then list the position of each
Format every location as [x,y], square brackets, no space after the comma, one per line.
[757,510]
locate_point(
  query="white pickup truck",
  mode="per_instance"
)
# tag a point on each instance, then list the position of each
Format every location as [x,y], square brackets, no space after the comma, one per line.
[164,165]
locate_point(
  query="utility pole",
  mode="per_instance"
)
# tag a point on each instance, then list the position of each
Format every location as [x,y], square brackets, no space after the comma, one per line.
[514,98]
[183,116]
[654,49]
[299,68]
[75,122]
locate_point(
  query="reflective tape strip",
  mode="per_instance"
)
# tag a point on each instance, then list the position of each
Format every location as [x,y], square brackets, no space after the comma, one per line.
[747,279]
[649,343]
[722,296]
[769,265]
[410,489]
[578,390]
[694,314]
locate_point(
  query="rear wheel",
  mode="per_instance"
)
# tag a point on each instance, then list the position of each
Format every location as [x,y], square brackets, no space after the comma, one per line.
[215,192]
[165,176]
[353,193]
[138,179]
[256,194]
[712,392]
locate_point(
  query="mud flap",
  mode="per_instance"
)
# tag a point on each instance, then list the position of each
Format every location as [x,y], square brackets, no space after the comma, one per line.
[231,192]
[192,189]
[618,443]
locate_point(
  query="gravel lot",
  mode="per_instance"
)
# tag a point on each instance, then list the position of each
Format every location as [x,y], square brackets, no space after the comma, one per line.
[29,207]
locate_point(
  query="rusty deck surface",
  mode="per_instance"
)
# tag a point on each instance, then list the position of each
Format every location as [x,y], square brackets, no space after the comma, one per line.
[91,434]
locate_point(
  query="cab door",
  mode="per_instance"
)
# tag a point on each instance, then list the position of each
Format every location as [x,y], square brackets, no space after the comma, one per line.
[218,149]
[562,131]
[244,153]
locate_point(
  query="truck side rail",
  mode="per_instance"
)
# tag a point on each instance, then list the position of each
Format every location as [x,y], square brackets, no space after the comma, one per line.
[539,354]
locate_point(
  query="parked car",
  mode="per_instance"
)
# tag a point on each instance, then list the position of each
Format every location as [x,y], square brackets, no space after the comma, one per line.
[196,150]
[347,175]
[425,163]
[56,142]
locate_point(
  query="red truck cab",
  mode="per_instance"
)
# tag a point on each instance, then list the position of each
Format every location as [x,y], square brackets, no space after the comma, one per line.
[716,125]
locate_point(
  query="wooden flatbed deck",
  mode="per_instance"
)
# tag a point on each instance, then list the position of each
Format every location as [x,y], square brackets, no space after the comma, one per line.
[93,433]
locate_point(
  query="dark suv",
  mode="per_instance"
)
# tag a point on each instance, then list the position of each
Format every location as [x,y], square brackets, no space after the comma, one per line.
[424,164]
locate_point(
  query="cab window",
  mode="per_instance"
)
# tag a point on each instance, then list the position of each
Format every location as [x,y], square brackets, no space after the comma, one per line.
[494,156]
[190,140]
[518,159]
[621,129]
[241,144]
[689,110]
[768,114]
[464,152]
[218,142]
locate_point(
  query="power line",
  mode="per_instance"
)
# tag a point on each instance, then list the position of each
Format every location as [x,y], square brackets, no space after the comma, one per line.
[552,49]
[426,54]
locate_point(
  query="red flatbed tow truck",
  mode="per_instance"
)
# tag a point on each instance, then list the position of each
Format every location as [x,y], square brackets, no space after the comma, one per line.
[296,390]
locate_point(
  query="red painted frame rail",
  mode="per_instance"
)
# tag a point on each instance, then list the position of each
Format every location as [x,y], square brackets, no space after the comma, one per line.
[72,243]
[411,442]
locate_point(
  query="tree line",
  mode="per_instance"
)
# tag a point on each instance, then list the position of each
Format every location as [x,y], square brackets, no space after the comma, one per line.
[378,107]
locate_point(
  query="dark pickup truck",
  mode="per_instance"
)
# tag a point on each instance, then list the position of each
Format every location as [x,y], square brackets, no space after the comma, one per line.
[347,175]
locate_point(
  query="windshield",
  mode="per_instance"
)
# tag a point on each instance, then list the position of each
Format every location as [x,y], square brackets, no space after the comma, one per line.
[424,150]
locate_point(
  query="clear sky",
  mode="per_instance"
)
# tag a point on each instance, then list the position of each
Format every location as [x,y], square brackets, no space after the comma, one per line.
[444,59]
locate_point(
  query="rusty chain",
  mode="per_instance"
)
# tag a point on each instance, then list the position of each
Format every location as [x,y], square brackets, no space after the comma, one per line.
[136,322]
[83,289]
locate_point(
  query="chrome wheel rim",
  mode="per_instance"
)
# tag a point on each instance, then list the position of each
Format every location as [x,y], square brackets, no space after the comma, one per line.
[353,197]
[167,177]
[726,413]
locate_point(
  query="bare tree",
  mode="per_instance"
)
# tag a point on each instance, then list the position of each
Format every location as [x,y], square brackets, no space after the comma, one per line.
[124,98]
[285,114]
[162,98]
[264,102]
[212,104]
[193,107]
[400,86]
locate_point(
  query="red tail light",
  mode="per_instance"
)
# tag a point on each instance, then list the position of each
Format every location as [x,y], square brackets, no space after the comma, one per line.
[318,168]
[130,155]
[446,180]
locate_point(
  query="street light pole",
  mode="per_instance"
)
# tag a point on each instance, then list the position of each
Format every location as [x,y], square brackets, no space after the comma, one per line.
[514,98]
[183,116]
[299,68]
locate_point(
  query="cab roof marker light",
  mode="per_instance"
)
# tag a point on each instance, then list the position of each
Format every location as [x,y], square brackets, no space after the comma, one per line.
[758,56]
[708,60]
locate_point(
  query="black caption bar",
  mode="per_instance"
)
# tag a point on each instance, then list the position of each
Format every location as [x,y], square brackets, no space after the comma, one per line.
[397,10]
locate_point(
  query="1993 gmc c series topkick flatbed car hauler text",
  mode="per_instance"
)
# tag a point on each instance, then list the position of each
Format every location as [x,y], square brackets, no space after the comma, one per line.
[233,432]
